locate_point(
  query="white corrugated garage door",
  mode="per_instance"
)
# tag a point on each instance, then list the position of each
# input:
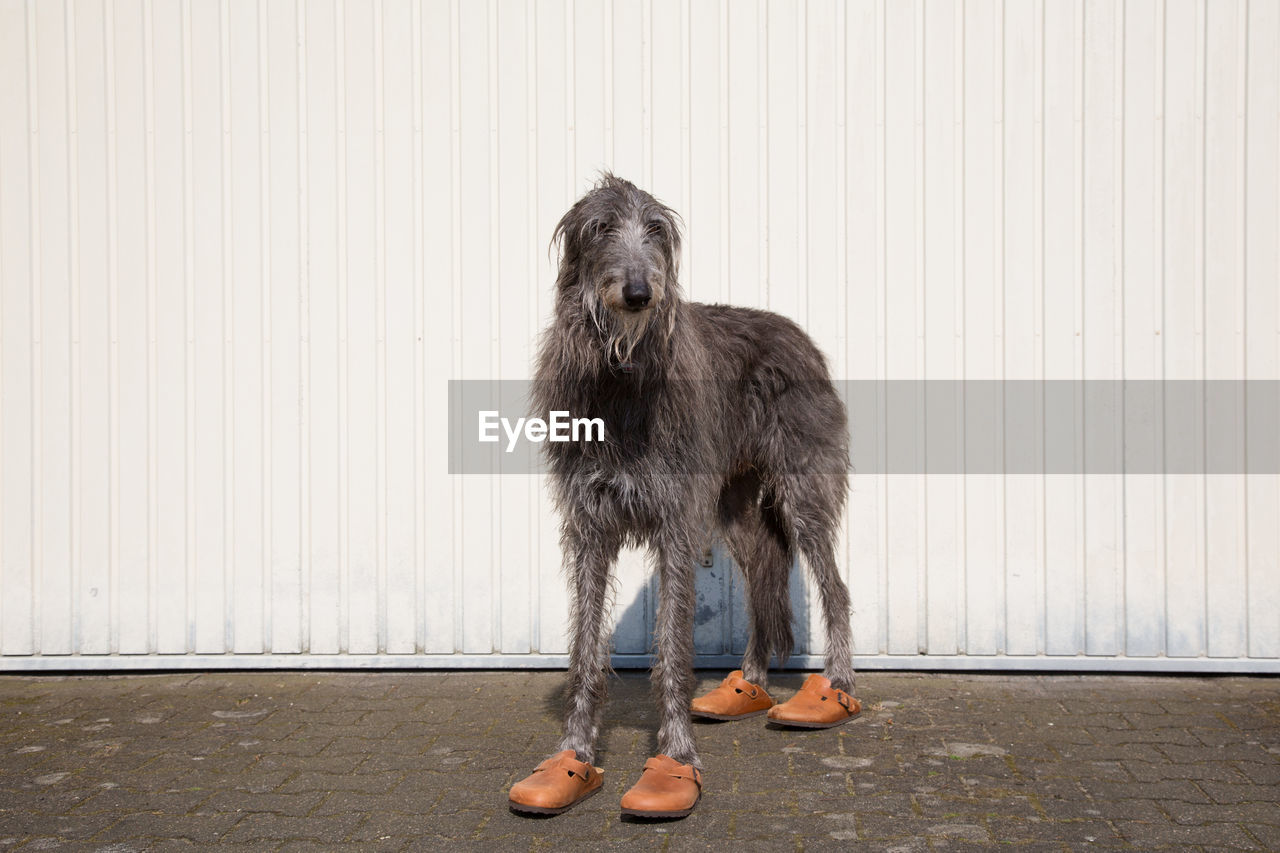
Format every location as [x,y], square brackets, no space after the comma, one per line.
[245,246]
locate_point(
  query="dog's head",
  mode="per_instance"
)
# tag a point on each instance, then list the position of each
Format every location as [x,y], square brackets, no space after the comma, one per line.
[619,257]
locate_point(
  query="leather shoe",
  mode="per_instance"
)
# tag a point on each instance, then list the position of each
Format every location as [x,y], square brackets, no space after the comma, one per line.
[556,784]
[817,705]
[666,788]
[735,699]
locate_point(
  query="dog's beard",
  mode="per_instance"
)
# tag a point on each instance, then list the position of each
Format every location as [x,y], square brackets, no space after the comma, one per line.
[622,330]
[625,333]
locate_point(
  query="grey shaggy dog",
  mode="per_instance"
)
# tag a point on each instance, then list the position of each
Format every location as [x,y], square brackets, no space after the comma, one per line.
[719,421]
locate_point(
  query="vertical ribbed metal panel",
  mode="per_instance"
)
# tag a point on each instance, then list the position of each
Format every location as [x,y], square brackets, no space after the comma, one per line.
[244,247]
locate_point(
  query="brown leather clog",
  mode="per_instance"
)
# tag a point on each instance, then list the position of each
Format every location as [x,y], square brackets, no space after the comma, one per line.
[817,705]
[556,784]
[735,699]
[666,789]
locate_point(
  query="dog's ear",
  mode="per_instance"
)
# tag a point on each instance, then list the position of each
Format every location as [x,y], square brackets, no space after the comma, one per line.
[566,239]
[576,230]
[672,226]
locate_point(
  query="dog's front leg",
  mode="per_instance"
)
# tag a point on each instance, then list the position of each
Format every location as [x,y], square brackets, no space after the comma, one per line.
[570,776]
[591,562]
[672,674]
[671,782]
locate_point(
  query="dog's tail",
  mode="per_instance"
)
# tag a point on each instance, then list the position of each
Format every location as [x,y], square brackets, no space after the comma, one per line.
[771,609]
[781,556]
[779,637]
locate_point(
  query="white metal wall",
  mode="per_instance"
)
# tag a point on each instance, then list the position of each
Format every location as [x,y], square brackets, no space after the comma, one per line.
[244,245]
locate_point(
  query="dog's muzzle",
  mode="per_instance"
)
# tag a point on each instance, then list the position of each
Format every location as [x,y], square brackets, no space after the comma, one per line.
[636,293]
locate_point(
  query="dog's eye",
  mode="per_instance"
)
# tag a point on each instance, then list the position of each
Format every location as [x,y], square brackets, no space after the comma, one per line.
[654,229]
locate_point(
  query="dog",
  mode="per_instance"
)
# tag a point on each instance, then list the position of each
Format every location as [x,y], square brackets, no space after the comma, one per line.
[719,421]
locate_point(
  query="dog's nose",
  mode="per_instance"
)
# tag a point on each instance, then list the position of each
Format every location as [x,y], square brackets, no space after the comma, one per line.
[636,292]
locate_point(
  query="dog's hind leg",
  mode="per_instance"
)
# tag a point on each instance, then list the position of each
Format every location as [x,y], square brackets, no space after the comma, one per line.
[757,540]
[812,508]
[591,563]
[819,552]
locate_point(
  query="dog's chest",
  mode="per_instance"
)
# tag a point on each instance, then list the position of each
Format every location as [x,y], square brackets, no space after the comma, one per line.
[631,411]
[636,498]
[629,475]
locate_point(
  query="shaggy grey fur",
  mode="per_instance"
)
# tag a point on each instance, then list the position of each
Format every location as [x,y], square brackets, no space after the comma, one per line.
[718,421]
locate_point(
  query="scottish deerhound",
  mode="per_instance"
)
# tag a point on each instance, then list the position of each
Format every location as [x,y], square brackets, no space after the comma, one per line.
[719,421]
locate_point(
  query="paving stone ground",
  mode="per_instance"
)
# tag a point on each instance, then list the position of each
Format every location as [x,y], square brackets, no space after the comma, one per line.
[422,761]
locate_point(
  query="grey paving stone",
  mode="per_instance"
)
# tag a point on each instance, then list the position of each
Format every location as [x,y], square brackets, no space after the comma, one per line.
[1196,814]
[291,805]
[328,829]
[1146,834]
[1076,832]
[1267,834]
[1176,790]
[1259,772]
[1250,793]
[1216,771]
[1085,808]
[201,829]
